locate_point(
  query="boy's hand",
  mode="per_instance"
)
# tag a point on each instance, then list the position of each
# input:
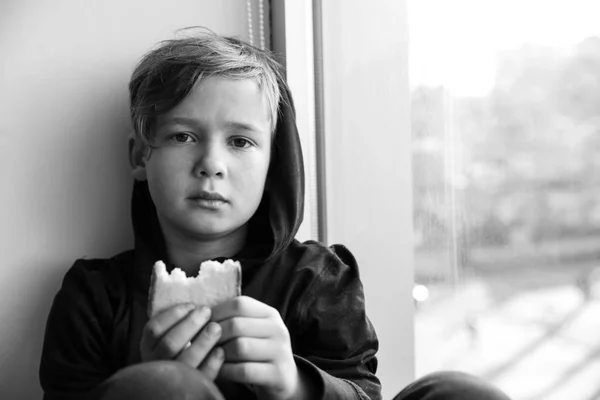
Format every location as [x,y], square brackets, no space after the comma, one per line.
[183,333]
[258,349]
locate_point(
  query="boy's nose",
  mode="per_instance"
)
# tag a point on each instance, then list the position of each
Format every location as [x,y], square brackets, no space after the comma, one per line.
[210,163]
[208,173]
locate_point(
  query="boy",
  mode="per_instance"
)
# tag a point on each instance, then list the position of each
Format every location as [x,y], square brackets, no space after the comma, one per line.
[218,174]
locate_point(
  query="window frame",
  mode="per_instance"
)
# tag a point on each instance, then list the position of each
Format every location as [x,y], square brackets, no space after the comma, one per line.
[379,231]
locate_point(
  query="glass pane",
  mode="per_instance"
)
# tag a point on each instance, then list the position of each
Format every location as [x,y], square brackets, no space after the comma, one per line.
[506,174]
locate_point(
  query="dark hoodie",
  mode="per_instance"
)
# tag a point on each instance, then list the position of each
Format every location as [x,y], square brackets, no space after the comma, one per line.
[95,324]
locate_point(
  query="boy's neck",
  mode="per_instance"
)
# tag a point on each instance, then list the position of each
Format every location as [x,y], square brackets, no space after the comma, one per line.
[187,254]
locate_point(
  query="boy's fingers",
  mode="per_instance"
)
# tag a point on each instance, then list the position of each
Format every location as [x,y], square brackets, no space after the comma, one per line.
[160,324]
[175,340]
[163,321]
[194,354]
[242,306]
[255,373]
[247,327]
[252,349]
[212,364]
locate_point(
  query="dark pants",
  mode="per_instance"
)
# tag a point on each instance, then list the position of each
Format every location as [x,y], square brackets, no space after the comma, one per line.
[450,386]
[164,380]
[157,380]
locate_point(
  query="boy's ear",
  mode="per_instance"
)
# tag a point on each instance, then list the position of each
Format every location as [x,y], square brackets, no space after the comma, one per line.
[136,160]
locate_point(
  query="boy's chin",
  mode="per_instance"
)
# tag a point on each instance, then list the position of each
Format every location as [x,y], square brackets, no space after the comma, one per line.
[214,231]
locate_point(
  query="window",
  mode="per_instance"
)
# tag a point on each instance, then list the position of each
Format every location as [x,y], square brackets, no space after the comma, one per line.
[505,118]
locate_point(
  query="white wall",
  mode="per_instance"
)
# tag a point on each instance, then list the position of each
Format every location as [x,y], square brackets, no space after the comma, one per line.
[368,144]
[64,177]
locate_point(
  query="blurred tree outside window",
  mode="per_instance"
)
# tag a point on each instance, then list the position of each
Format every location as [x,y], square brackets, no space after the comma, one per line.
[505,120]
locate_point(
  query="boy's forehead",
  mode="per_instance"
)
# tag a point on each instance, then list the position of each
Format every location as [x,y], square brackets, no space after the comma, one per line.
[236,103]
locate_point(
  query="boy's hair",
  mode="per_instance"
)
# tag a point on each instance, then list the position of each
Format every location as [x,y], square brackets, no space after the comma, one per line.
[167,74]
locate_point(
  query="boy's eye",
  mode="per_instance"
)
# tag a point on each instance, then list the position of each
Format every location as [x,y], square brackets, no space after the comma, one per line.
[181,137]
[240,142]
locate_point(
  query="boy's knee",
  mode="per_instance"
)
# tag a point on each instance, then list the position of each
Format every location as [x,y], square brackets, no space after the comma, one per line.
[164,380]
[451,385]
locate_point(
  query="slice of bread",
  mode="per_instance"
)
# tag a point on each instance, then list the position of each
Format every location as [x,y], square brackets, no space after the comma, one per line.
[216,282]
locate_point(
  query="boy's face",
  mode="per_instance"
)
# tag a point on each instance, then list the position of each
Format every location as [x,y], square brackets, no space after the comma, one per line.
[216,142]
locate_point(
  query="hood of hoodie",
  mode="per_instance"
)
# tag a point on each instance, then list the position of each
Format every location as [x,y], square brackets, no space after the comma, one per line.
[273,226]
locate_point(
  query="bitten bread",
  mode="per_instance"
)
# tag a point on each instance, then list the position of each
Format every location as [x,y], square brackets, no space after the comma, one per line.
[216,282]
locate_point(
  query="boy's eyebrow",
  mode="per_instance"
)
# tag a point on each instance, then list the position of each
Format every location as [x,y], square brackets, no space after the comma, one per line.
[179,120]
[243,126]
[237,125]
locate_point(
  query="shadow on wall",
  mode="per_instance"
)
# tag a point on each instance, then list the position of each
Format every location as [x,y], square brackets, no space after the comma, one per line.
[70,200]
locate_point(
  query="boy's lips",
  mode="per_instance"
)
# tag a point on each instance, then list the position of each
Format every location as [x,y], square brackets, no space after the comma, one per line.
[208,200]
[205,195]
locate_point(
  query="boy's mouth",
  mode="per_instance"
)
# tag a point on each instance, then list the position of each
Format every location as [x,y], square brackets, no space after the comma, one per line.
[205,195]
[211,199]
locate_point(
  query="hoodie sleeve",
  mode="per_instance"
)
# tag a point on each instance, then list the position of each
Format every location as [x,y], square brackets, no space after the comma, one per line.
[73,358]
[338,343]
